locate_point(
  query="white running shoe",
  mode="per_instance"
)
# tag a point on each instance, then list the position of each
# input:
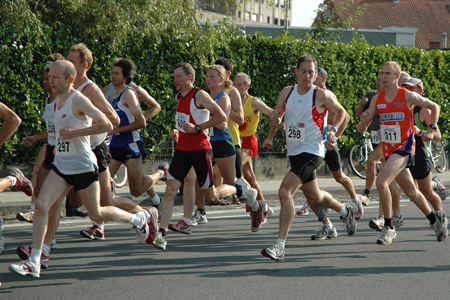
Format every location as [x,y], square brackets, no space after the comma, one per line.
[387,236]
[26,268]
[306,209]
[377,223]
[359,205]
[142,231]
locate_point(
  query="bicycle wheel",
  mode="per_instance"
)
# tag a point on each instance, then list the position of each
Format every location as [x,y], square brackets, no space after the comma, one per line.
[357,161]
[439,158]
[121,176]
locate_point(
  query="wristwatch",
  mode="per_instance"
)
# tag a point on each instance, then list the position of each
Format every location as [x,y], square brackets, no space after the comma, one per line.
[198,128]
[334,128]
[432,126]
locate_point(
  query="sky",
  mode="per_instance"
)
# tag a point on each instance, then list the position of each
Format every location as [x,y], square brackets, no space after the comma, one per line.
[303,12]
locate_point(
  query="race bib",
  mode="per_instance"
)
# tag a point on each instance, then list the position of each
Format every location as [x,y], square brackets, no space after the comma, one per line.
[51,128]
[295,132]
[180,120]
[376,139]
[65,147]
[391,134]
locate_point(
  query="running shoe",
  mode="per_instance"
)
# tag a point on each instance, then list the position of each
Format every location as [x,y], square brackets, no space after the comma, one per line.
[358,201]
[323,213]
[26,216]
[181,226]
[258,216]
[153,226]
[142,231]
[349,220]
[93,233]
[398,221]
[387,236]
[325,233]
[440,188]
[2,239]
[198,218]
[440,226]
[306,209]
[275,252]
[165,168]
[248,194]
[159,242]
[23,183]
[267,213]
[377,223]
[25,252]
[26,268]
[52,246]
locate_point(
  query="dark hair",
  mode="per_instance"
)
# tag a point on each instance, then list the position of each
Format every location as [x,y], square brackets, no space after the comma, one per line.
[52,58]
[306,57]
[226,63]
[187,68]
[128,68]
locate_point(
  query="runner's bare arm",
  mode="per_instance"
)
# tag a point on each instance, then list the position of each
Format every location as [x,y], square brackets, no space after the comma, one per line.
[30,140]
[415,99]
[237,112]
[425,117]
[129,99]
[219,119]
[275,117]
[83,108]
[145,97]
[367,116]
[259,105]
[11,122]
[98,99]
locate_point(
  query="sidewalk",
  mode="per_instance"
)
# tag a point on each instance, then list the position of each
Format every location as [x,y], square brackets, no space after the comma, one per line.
[16,201]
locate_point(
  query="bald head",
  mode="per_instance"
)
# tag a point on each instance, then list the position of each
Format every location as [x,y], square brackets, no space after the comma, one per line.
[66,68]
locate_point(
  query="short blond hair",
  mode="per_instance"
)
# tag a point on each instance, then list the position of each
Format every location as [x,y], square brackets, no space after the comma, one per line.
[222,74]
[85,54]
[244,76]
[395,65]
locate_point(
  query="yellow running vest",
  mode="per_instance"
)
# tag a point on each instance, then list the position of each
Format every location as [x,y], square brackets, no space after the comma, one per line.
[250,119]
[233,127]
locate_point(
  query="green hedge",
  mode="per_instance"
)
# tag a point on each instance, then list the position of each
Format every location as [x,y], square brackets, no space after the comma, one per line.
[270,62]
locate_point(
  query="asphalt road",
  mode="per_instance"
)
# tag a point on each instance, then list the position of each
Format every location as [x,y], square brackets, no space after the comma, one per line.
[222,260]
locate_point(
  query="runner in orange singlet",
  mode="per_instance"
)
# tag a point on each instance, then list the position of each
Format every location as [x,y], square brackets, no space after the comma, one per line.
[395,105]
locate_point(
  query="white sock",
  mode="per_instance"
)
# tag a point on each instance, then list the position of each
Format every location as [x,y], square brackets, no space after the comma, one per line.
[13,180]
[156,200]
[46,250]
[187,221]
[100,227]
[343,212]
[254,206]
[282,243]
[162,173]
[135,221]
[434,183]
[35,256]
[328,225]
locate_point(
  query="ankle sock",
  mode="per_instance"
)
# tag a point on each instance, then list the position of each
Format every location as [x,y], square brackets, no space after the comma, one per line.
[13,180]
[343,212]
[367,192]
[388,223]
[432,218]
[187,221]
[282,243]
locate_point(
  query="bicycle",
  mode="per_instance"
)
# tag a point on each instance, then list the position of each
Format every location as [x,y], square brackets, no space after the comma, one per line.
[121,177]
[438,156]
[359,155]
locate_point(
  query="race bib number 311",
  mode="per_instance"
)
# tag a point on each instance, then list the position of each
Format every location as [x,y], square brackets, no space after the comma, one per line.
[391,134]
[295,132]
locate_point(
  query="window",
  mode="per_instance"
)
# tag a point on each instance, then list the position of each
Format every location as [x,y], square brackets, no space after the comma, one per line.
[282,22]
[261,18]
[247,16]
[275,21]
[254,17]
[268,20]
[239,13]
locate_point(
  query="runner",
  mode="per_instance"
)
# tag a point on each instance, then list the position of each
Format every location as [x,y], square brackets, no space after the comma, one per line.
[75,166]
[333,160]
[15,177]
[394,106]
[304,139]
[252,107]
[421,171]
[374,158]
[154,108]
[193,149]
